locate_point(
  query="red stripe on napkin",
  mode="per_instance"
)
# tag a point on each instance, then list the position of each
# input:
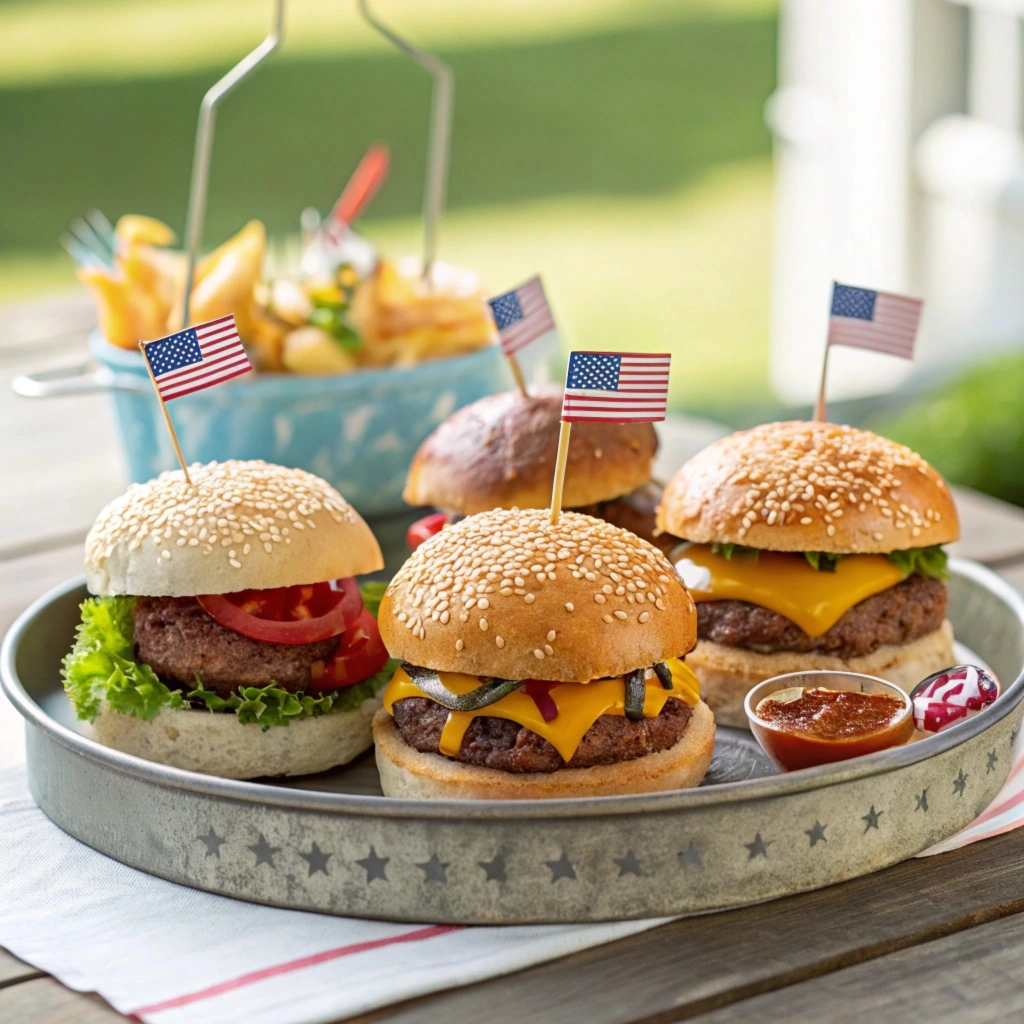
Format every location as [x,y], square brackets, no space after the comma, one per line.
[292,965]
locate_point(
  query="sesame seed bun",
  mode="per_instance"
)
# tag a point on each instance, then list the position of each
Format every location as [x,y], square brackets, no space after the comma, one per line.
[802,486]
[727,674]
[500,452]
[506,594]
[239,525]
[218,744]
[407,773]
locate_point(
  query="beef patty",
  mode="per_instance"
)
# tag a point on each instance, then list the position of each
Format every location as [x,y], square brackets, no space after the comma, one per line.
[895,616]
[500,743]
[179,641]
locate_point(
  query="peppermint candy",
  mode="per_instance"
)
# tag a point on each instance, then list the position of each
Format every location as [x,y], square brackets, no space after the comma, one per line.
[952,695]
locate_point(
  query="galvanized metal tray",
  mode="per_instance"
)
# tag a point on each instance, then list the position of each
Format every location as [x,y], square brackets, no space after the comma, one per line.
[332,843]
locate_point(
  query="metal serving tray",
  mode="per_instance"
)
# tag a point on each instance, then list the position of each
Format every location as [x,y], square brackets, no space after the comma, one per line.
[332,843]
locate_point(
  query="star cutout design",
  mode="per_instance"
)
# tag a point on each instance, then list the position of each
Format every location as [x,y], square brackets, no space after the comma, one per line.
[213,843]
[317,860]
[922,801]
[1013,736]
[691,855]
[960,783]
[495,868]
[816,833]
[264,851]
[871,819]
[759,847]
[434,870]
[991,766]
[561,868]
[374,866]
[628,865]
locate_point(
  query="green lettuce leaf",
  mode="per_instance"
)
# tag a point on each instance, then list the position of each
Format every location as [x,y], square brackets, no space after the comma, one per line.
[373,593]
[728,550]
[929,561]
[824,561]
[101,668]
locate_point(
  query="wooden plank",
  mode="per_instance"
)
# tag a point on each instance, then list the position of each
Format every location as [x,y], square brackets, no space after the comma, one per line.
[968,977]
[992,531]
[693,966]
[45,1001]
[13,970]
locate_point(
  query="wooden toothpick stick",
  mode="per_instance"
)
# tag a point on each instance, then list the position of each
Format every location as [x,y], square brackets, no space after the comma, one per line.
[517,373]
[167,415]
[559,481]
[819,408]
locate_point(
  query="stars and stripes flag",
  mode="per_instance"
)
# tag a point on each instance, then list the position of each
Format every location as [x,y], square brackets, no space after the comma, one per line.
[879,321]
[197,358]
[624,387]
[522,316]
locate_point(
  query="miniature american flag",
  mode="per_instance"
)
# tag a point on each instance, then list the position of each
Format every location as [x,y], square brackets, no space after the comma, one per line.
[197,358]
[522,316]
[624,387]
[878,321]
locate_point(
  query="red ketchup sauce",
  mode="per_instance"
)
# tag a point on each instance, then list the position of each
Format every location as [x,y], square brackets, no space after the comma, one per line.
[821,726]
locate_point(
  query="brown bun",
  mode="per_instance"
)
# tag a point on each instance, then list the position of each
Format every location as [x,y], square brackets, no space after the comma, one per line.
[407,773]
[727,674]
[802,486]
[506,594]
[500,452]
[238,525]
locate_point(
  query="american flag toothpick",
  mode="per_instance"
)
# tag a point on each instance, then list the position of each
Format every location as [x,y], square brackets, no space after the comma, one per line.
[522,316]
[616,387]
[872,320]
[198,357]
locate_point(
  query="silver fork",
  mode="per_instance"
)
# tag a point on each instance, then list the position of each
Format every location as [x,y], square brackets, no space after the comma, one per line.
[90,240]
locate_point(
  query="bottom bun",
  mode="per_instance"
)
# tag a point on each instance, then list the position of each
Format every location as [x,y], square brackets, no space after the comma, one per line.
[727,673]
[406,772]
[218,744]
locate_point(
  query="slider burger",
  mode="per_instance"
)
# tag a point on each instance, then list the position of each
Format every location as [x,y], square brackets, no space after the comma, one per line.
[539,661]
[228,634]
[811,546]
[500,452]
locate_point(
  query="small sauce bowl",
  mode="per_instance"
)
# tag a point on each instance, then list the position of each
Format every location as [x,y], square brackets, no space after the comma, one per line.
[792,748]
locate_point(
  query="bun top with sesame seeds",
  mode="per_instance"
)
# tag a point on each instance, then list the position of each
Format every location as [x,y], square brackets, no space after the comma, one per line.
[500,452]
[238,525]
[808,486]
[506,594]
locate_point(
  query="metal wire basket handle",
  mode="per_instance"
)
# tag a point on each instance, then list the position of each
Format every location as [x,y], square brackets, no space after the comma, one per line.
[200,182]
[439,144]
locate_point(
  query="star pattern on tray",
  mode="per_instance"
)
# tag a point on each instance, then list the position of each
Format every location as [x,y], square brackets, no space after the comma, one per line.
[758,848]
[871,819]
[960,783]
[561,868]
[494,868]
[317,860]
[691,856]
[816,833]
[1013,736]
[922,801]
[213,843]
[990,766]
[434,870]
[374,866]
[264,851]
[628,865]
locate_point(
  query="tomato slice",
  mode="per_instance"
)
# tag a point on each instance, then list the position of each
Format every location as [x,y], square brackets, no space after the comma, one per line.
[425,528]
[288,615]
[359,655]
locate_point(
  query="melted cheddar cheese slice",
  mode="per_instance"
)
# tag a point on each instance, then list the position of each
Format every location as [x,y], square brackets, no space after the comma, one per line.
[579,705]
[787,583]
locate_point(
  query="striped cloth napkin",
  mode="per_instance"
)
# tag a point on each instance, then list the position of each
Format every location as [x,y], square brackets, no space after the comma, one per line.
[167,954]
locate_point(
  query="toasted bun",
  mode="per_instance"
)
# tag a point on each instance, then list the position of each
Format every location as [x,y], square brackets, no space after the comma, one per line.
[728,673]
[500,451]
[809,487]
[407,773]
[238,525]
[507,594]
[218,744]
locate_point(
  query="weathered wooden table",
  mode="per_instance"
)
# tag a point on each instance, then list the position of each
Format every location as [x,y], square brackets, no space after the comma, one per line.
[928,940]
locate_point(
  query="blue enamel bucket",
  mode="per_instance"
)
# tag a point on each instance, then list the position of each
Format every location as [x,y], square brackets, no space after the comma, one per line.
[359,430]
